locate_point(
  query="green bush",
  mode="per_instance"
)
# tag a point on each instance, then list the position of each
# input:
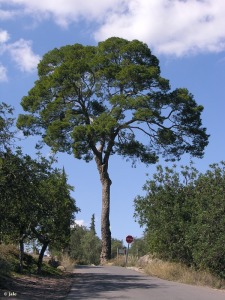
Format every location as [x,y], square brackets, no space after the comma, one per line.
[9,259]
[85,246]
[5,267]
[184,216]
[9,262]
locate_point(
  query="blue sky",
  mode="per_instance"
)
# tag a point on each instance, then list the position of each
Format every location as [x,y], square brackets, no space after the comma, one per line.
[188,37]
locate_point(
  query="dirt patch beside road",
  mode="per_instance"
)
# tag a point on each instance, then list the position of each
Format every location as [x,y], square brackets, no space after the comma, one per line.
[35,287]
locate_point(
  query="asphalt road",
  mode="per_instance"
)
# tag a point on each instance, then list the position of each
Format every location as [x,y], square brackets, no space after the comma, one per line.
[121,283]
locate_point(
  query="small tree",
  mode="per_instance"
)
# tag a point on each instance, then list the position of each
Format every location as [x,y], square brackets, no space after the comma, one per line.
[91,245]
[110,99]
[85,246]
[19,182]
[35,202]
[92,226]
[76,249]
[55,214]
[166,211]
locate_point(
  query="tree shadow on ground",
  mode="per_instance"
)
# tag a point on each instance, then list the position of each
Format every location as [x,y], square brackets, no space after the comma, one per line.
[35,287]
[95,285]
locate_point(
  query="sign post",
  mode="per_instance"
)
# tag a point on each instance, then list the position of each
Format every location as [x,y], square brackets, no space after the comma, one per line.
[129,240]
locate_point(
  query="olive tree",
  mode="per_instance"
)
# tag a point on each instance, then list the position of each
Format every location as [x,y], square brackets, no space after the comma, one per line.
[96,101]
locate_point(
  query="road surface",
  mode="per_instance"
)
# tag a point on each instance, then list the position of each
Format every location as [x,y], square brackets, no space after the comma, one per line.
[120,283]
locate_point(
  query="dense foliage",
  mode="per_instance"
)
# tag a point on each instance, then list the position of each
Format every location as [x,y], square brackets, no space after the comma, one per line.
[184,216]
[139,247]
[85,245]
[35,200]
[115,245]
[7,135]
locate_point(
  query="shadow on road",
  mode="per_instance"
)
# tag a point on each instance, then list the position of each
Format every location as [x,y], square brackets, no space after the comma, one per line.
[95,285]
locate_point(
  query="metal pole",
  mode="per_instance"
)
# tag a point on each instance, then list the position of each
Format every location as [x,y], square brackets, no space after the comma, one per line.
[127,254]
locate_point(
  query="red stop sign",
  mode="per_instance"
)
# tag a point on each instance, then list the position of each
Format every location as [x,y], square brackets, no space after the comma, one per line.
[129,239]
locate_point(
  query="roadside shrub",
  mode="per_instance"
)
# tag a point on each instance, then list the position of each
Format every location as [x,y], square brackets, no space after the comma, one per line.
[9,258]
[5,267]
[183,213]
[181,273]
[67,262]
[53,262]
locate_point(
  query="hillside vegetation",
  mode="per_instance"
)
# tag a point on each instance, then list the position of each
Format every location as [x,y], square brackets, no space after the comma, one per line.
[28,284]
[10,265]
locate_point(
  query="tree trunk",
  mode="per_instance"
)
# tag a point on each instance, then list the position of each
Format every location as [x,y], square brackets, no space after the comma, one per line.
[105,223]
[41,255]
[21,255]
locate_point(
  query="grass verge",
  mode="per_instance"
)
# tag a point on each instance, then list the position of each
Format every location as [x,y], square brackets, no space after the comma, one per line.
[181,273]
[171,271]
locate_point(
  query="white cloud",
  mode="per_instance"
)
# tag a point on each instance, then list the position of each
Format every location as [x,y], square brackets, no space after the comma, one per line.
[4,36]
[174,27]
[6,14]
[65,12]
[3,73]
[80,222]
[22,54]
[171,27]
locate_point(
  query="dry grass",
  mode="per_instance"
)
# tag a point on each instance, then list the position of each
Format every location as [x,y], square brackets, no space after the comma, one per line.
[171,271]
[121,261]
[118,261]
[181,273]
[67,262]
[52,284]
